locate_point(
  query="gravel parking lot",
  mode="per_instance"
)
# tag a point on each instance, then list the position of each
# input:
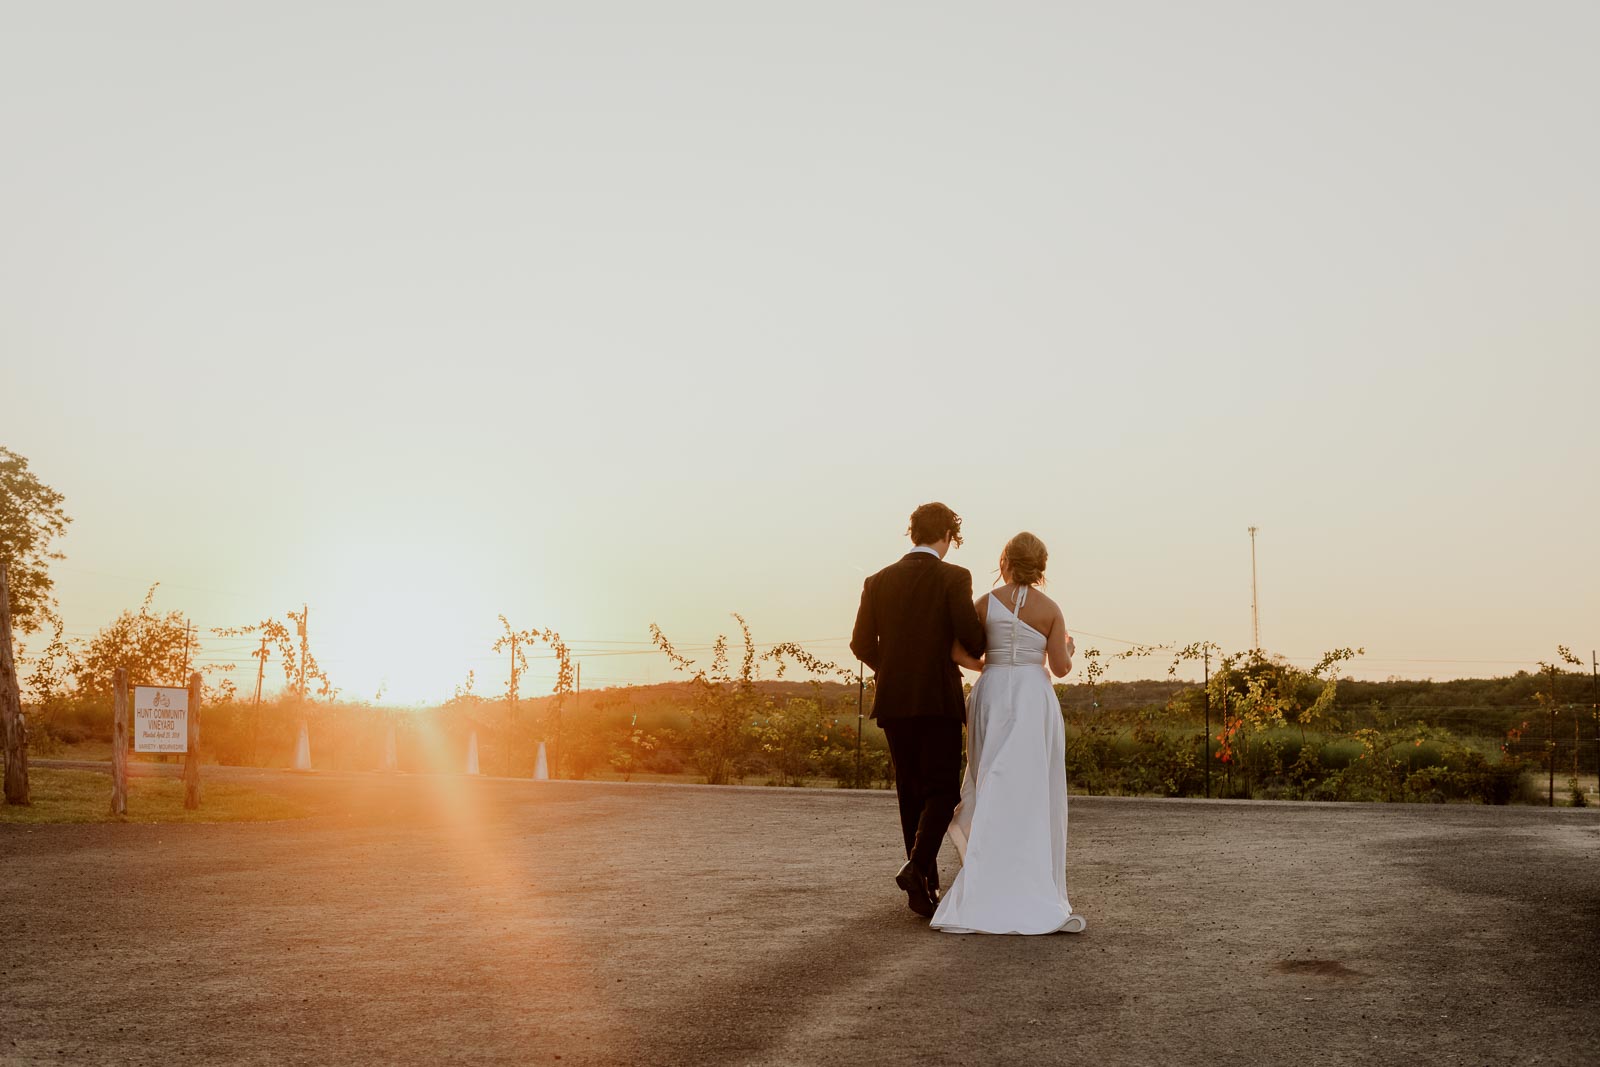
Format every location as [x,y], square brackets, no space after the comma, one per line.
[431,919]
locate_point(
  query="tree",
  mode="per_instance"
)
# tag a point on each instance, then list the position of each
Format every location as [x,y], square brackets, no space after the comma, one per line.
[516,641]
[727,707]
[793,736]
[628,756]
[152,647]
[1549,701]
[50,680]
[300,667]
[30,518]
[724,707]
[564,688]
[16,734]
[1253,694]
[302,675]
[800,736]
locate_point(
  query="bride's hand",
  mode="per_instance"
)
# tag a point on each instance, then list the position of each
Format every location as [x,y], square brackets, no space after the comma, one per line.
[964,658]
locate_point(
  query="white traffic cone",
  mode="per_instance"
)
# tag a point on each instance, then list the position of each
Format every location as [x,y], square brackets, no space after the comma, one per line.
[541,769]
[302,749]
[391,761]
[472,753]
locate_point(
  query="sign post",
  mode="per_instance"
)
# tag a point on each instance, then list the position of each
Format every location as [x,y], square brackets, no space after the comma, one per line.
[119,742]
[191,762]
[167,719]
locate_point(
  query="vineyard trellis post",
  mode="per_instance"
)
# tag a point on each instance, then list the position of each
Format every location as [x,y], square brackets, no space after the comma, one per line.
[555,755]
[1225,714]
[1208,721]
[861,703]
[1551,742]
[255,715]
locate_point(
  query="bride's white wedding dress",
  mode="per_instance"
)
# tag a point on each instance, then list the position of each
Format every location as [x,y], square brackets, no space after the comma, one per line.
[1011,825]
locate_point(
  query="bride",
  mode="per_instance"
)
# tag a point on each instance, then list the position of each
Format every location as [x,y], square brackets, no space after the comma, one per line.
[1011,826]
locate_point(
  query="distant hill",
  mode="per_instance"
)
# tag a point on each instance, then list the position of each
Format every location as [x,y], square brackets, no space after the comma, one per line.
[1481,700]
[1121,696]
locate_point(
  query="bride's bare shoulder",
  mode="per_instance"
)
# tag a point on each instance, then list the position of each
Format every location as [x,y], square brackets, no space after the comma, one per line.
[1047,608]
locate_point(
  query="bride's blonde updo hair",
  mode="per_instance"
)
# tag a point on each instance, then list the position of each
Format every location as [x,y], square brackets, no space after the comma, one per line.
[1025,556]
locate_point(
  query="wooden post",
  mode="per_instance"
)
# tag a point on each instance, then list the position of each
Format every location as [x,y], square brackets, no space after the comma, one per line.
[191,759]
[1550,742]
[12,724]
[1207,651]
[861,706]
[119,742]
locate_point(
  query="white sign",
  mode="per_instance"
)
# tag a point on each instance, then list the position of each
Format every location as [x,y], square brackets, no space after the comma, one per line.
[160,719]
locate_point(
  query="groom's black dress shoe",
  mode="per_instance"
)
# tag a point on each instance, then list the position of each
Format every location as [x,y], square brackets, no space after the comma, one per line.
[918,896]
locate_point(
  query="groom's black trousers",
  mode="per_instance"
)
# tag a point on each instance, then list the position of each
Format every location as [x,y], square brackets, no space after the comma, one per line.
[927,778]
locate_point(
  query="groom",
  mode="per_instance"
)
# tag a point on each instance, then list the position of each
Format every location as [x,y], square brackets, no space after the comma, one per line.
[912,612]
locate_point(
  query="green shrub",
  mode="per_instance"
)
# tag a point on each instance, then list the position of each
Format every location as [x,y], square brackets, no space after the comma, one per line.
[1337,755]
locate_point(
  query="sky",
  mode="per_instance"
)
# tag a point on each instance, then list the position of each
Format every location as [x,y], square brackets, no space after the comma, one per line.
[608,314]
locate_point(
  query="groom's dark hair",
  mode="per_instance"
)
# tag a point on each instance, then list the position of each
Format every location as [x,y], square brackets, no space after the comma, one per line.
[931,522]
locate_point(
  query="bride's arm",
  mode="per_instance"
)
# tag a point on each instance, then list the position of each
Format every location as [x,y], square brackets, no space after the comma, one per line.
[964,658]
[1059,647]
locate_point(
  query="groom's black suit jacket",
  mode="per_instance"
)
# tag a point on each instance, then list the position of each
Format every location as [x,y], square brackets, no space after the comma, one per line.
[911,613]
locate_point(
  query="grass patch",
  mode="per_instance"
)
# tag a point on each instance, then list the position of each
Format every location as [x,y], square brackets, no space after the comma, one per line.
[63,796]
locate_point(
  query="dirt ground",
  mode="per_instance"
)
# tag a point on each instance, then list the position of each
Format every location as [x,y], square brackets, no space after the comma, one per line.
[448,920]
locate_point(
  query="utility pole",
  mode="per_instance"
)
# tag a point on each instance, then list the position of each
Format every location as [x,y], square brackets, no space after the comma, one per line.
[1594,710]
[255,718]
[511,702]
[1255,615]
[577,705]
[555,756]
[1208,722]
[261,669]
[305,621]
[305,715]
[188,630]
